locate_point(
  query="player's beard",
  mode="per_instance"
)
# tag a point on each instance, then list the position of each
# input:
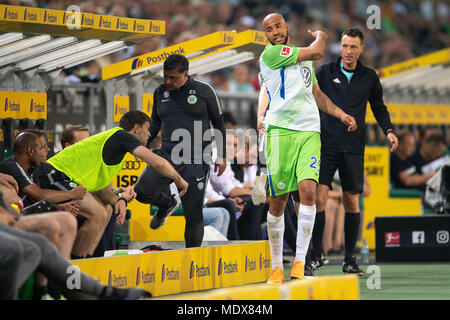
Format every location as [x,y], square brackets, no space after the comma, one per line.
[286,38]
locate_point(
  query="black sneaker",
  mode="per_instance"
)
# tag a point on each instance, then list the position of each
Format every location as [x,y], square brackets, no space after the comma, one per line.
[161,215]
[351,267]
[112,293]
[317,263]
[309,272]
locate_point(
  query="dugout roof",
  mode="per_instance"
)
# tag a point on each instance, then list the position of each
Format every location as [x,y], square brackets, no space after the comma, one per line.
[40,43]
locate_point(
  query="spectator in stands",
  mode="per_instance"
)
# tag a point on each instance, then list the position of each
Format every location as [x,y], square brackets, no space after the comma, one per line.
[25,252]
[240,82]
[220,80]
[430,154]
[244,165]
[229,120]
[218,218]
[73,134]
[30,150]
[250,221]
[403,172]
[424,133]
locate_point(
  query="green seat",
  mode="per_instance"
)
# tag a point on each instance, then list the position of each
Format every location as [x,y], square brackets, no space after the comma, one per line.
[405,193]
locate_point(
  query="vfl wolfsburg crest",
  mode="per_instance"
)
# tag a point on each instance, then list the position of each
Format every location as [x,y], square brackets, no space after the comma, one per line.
[166,94]
[281,185]
[306,75]
[192,99]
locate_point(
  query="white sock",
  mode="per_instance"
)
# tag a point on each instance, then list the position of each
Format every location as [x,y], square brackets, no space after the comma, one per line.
[275,231]
[306,217]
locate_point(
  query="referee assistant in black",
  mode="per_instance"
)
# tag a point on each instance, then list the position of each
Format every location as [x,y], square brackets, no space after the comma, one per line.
[183,109]
[350,85]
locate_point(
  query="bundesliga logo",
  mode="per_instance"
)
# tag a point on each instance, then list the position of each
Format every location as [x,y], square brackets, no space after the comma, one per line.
[286,51]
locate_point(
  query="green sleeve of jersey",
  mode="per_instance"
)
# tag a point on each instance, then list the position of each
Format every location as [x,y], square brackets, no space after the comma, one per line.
[279,56]
[314,75]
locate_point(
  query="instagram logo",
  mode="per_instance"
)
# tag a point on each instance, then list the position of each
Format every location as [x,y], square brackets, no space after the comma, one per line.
[442,236]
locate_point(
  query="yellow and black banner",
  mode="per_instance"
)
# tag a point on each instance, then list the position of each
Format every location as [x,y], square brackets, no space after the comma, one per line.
[20,105]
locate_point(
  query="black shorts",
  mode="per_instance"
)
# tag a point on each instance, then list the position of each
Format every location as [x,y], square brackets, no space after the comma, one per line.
[350,166]
[47,177]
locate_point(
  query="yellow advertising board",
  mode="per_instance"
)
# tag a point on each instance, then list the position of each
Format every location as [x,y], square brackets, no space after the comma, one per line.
[441,56]
[378,203]
[121,106]
[208,42]
[20,105]
[77,23]
[174,271]
[414,114]
[147,103]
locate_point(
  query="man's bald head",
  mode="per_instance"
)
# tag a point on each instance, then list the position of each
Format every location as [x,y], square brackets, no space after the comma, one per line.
[272,17]
[276,29]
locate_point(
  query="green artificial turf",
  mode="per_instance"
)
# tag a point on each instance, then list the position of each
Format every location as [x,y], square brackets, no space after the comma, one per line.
[399,281]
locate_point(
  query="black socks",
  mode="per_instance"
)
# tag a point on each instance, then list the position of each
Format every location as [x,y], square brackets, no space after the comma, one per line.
[351,228]
[319,225]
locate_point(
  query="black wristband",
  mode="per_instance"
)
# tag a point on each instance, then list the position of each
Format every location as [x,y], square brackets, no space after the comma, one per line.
[126,202]
[389,131]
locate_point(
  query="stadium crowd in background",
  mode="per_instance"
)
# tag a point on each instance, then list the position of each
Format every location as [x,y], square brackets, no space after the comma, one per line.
[409,28]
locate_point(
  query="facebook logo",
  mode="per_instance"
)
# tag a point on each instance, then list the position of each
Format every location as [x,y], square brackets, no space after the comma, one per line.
[418,237]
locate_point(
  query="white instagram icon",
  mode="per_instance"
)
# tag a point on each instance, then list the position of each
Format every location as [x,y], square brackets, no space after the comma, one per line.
[442,236]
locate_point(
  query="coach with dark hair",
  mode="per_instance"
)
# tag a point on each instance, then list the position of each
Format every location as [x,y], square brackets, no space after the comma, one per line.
[183,109]
[350,85]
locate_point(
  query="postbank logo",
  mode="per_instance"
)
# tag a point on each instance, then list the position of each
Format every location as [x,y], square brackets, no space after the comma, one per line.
[87,20]
[250,264]
[36,106]
[50,17]
[117,281]
[169,274]
[121,106]
[11,14]
[11,105]
[138,26]
[137,63]
[263,262]
[198,271]
[122,24]
[227,268]
[144,277]
[30,15]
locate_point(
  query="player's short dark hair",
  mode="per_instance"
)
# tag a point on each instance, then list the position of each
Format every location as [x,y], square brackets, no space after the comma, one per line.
[26,138]
[67,136]
[178,62]
[354,32]
[132,118]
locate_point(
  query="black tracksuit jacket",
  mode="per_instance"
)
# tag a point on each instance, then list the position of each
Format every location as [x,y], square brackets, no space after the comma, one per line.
[352,98]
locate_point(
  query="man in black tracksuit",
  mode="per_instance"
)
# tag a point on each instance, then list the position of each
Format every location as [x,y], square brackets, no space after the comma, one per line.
[350,85]
[183,109]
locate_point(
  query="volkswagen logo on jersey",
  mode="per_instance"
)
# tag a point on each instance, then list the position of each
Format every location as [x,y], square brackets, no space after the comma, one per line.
[306,75]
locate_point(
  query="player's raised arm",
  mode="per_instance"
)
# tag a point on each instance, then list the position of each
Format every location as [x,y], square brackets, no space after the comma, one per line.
[316,49]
